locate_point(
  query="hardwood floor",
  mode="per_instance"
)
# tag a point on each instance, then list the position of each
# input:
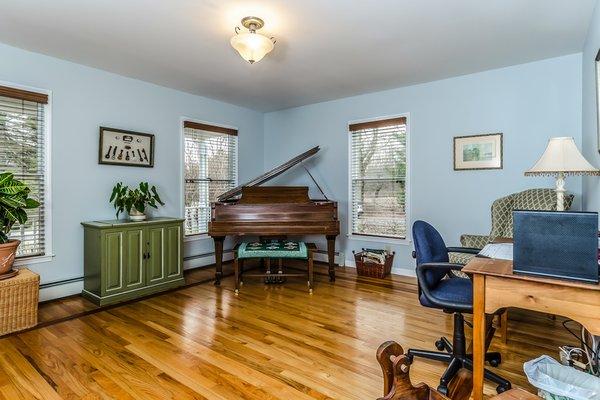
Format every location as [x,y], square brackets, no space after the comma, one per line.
[72,306]
[270,342]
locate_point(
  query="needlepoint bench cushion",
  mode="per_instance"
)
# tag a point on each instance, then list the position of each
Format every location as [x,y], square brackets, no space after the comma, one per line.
[273,249]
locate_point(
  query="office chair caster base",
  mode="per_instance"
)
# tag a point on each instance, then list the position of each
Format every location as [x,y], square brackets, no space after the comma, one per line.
[443,389]
[439,344]
[502,388]
[494,359]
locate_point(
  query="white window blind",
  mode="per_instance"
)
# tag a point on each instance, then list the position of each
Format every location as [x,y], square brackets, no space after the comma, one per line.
[210,170]
[378,174]
[22,152]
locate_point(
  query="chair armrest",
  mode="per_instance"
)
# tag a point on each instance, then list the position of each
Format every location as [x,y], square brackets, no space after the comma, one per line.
[421,269]
[468,250]
[474,241]
[440,266]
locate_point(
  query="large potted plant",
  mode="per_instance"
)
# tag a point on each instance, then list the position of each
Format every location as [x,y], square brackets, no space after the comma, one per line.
[14,200]
[134,201]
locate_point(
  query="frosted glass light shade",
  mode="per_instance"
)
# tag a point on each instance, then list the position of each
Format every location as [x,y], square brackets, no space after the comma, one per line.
[562,157]
[252,46]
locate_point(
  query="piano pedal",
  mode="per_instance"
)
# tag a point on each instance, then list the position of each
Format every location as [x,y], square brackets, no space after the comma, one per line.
[280,279]
[269,280]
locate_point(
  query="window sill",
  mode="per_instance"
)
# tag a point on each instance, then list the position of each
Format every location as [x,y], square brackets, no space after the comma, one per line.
[380,239]
[194,238]
[19,262]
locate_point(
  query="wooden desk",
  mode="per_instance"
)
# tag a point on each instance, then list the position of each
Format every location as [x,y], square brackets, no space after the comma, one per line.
[495,287]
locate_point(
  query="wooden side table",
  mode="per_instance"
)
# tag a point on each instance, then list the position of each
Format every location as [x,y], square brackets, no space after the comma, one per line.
[19,298]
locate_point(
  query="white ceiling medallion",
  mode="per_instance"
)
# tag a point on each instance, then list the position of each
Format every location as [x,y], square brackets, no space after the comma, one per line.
[252,46]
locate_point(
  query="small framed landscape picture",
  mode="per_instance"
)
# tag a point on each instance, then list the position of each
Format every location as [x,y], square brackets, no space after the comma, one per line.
[128,148]
[478,152]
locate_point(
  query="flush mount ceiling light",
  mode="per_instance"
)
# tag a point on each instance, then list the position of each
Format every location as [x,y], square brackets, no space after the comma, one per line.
[252,46]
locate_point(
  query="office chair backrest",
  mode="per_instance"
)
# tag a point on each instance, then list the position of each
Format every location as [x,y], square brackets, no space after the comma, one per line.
[429,247]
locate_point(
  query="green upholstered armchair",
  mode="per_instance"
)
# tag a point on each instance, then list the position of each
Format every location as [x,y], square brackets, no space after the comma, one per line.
[502,222]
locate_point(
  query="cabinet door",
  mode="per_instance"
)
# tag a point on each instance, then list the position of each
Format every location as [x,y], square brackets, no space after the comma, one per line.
[164,250]
[155,242]
[173,248]
[112,266]
[133,249]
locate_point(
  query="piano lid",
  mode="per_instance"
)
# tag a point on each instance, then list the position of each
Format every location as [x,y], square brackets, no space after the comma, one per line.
[280,169]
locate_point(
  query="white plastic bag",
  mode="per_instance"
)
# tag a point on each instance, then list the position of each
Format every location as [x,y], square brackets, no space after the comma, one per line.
[560,381]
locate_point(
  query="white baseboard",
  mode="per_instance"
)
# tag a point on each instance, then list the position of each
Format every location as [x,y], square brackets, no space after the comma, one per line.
[339,258]
[404,272]
[72,288]
[395,270]
[205,259]
[58,291]
[75,287]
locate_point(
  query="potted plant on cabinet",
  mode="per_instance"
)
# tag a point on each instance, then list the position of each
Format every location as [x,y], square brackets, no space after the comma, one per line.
[14,201]
[134,201]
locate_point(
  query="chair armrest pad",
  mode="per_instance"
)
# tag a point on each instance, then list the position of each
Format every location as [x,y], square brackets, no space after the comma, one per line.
[440,266]
[474,241]
[468,250]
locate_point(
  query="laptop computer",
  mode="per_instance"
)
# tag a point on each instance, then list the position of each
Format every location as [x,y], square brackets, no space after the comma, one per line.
[556,244]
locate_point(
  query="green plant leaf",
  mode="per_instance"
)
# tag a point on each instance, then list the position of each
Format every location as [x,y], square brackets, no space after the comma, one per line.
[10,215]
[156,196]
[31,203]
[12,187]
[5,177]
[14,201]
[21,216]
[3,237]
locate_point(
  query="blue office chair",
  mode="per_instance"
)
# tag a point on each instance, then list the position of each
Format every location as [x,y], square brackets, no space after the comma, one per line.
[439,288]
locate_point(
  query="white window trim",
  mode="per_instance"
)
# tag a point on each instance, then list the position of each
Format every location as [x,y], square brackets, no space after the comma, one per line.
[48,249]
[381,239]
[202,236]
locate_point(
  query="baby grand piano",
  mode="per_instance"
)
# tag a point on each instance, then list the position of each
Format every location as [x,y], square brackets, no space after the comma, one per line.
[255,210]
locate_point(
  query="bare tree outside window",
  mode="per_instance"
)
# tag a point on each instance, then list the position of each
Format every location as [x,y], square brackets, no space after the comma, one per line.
[378,163]
[22,152]
[210,170]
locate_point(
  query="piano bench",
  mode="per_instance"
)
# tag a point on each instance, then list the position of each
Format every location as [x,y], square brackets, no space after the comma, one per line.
[273,249]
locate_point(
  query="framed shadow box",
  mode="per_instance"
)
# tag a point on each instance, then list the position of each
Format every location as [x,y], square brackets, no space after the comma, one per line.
[121,147]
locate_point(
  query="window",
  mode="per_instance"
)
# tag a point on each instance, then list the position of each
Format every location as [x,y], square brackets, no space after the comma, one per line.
[378,178]
[23,152]
[210,170]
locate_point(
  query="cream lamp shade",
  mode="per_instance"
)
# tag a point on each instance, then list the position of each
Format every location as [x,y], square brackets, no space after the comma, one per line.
[561,158]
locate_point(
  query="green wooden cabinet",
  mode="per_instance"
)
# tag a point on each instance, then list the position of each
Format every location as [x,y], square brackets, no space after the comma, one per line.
[124,260]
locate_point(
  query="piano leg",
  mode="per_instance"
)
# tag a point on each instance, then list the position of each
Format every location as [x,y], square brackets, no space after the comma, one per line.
[331,256]
[218,259]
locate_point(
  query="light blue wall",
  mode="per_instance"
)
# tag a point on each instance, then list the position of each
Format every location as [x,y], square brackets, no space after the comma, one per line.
[529,103]
[84,98]
[591,185]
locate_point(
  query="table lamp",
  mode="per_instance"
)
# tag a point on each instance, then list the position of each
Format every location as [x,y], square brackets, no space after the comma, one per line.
[561,158]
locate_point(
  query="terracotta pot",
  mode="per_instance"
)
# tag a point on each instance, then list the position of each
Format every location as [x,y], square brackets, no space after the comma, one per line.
[7,255]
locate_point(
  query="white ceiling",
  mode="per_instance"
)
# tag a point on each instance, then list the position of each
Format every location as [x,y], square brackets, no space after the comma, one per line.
[326,49]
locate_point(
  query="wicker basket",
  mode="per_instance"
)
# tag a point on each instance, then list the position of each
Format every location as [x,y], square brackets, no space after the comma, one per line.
[19,301]
[371,269]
